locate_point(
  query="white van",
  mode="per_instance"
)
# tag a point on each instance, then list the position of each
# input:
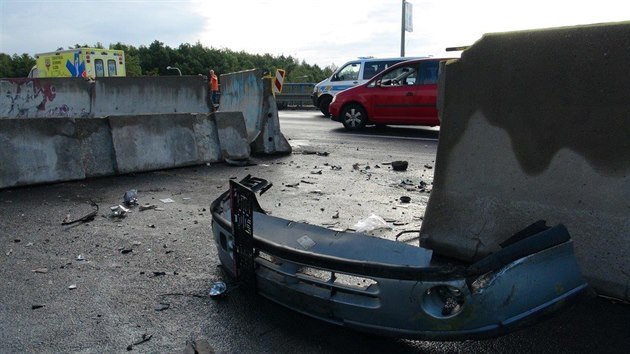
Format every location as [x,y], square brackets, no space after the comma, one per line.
[348,75]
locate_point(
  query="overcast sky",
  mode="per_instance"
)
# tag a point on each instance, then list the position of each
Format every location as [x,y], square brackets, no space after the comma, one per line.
[319,32]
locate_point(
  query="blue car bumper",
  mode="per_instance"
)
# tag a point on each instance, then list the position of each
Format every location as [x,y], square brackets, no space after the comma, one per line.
[387,287]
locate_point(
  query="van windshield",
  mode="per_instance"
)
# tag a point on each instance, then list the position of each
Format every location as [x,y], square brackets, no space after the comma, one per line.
[348,72]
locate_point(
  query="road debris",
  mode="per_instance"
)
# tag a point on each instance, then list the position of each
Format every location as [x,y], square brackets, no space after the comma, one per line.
[72,287]
[198,347]
[400,165]
[372,222]
[313,152]
[40,270]
[405,199]
[131,197]
[119,211]
[145,338]
[35,307]
[147,207]
[86,218]
[162,306]
[218,289]
[167,200]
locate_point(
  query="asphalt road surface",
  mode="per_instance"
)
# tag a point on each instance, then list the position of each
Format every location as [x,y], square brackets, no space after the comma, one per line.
[103,285]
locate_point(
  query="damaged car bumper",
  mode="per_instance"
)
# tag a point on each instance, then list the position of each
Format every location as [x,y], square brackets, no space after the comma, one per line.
[388,287]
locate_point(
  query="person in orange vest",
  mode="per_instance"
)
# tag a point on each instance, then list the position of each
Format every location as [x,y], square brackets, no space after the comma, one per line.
[214,87]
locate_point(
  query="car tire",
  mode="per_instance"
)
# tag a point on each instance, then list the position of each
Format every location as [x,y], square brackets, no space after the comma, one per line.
[353,116]
[324,104]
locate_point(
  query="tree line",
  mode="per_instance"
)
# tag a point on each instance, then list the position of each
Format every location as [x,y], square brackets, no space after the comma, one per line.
[190,59]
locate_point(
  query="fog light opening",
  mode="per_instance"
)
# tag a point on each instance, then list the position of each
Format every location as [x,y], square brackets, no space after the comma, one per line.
[443,301]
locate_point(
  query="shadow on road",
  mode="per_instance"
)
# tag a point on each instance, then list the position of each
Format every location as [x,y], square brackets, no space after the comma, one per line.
[394,131]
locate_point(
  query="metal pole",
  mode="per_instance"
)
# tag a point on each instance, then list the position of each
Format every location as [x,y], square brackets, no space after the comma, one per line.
[402,31]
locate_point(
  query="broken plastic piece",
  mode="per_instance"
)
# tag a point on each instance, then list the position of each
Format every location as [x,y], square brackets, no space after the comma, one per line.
[119,211]
[372,222]
[218,289]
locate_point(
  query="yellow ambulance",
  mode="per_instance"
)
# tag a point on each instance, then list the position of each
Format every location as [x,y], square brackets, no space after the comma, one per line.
[80,62]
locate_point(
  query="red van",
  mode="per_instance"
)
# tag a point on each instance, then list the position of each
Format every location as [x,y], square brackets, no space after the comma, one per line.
[404,94]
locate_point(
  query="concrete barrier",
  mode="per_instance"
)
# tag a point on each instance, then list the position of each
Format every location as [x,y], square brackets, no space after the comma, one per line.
[150,95]
[535,125]
[232,135]
[250,93]
[42,150]
[151,123]
[35,98]
[153,142]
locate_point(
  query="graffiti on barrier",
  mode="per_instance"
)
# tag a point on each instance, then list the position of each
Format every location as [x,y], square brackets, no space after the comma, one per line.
[28,98]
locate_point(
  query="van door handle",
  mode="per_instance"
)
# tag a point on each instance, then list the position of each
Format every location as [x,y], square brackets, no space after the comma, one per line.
[409,94]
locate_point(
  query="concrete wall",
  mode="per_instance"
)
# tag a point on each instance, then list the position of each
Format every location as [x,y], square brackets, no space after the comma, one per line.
[150,123]
[41,150]
[536,125]
[148,95]
[77,98]
[35,98]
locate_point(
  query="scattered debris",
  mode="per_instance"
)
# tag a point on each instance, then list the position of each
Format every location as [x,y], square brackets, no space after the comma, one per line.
[428,167]
[162,306]
[336,216]
[40,270]
[218,289]
[307,182]
[131,197]
[370,223]
[408,232]
[293,185]
[198,347]
[72,287]
[313,152]
[86,218]
[333,167]
[151,226]
[316,172]
[9,252]
[167,200]
[147,207]
[126,250]
[119,211]
[400,165]
[80,258]
[145,338]
[405,199]
[35,307]
[157,274]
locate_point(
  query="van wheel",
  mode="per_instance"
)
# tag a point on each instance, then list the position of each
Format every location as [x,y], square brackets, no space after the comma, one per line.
[324,104]
[353,117]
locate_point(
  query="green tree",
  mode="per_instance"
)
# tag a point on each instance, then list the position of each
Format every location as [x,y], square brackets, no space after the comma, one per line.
[6,66]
